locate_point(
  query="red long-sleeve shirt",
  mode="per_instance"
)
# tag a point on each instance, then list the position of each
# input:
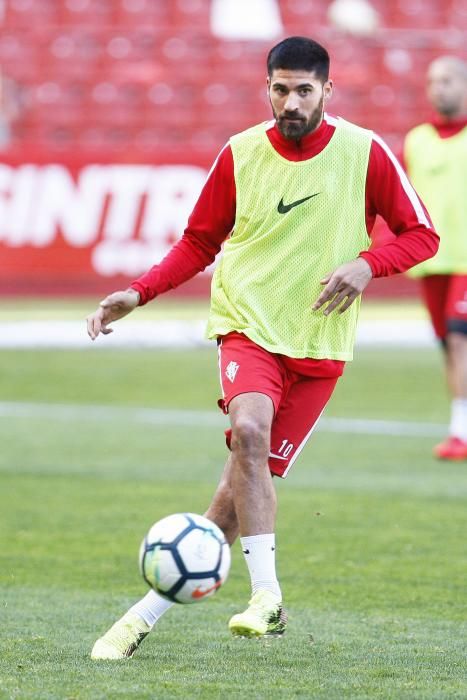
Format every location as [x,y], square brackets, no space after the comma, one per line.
[388,193]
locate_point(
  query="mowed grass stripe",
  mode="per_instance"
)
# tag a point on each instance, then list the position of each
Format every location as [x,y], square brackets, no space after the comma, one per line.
[374,588]
[177,660]
[196,419]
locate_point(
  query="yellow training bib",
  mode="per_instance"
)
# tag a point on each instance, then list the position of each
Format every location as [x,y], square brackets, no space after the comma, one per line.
[295,222]
[438,170]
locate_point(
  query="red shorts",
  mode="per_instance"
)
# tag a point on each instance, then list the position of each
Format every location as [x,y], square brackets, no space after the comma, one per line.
[299,397]
[446,299]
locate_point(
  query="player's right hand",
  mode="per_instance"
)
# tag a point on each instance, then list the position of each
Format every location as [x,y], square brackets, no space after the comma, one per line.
[110,309]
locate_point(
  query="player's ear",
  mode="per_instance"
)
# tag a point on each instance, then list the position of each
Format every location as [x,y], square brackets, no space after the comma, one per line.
[327,90]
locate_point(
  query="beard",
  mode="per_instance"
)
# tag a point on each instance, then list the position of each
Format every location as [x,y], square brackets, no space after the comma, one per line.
[448,108]
[299,126]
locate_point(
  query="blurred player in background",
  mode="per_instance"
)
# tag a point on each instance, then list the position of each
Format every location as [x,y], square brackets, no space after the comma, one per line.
[435,156]
[293,201]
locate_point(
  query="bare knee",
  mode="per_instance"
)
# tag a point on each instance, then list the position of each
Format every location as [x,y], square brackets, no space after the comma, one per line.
[457,343]
[250,438]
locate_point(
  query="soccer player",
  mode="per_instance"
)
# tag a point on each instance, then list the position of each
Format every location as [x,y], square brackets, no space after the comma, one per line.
[293,201]
[435,156]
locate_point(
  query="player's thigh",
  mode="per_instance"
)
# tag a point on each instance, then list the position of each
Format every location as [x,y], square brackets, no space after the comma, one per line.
[296,419]
[251,416]
[456,305]
[245,368]
[435,290]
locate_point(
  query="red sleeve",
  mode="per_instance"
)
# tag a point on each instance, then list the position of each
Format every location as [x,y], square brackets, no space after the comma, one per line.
[209,224]
[390,194]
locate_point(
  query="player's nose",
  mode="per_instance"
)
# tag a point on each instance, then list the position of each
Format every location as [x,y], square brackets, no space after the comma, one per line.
[290,107]
[291,103]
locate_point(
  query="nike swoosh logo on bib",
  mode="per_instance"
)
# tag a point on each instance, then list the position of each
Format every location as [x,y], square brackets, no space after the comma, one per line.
[284,208]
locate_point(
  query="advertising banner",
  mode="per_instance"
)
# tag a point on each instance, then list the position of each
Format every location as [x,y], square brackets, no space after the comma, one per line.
[82,225]
[87,224]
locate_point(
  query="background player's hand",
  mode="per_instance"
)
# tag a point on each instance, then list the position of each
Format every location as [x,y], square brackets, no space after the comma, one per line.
[110,309]
[343,286]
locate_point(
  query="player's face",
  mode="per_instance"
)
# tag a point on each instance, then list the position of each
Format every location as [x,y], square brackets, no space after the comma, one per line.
[446,89]
[297,100]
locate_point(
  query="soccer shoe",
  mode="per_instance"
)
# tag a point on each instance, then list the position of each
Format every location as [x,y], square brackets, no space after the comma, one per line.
[453,449]
[264,616]
[122,639]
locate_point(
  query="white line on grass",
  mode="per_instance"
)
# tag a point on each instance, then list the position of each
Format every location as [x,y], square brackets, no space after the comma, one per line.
[196,419]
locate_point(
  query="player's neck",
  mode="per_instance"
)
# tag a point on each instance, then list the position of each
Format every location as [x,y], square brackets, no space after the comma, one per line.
[304,141]
[308,147]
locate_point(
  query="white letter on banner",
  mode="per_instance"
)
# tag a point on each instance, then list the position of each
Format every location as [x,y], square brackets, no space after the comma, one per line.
[6,176]
[173,191]
[75,208]
[128,184]
[16,208]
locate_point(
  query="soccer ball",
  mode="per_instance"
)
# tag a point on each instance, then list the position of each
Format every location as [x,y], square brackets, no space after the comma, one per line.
[185,558]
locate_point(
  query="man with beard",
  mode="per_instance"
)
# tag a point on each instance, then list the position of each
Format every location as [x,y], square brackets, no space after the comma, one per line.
[293,201]
[435,155]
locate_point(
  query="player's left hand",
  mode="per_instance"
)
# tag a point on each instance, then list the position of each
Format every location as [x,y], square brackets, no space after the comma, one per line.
[343,286]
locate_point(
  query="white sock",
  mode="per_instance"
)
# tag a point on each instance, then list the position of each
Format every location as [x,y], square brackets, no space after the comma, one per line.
[458,425]
[151,607]
[260,556]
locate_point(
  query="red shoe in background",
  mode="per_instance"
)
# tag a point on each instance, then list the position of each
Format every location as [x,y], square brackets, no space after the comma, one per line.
[453,449]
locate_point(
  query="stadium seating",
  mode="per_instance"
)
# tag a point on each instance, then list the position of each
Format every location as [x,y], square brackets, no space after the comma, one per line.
[102,71]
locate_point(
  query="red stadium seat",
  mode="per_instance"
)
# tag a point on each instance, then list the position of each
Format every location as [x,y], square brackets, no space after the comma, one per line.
[91,13]
[24,14]
[142,13]
[98,71]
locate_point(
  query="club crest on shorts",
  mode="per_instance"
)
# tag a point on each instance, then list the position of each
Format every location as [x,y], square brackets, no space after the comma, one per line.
[231,370]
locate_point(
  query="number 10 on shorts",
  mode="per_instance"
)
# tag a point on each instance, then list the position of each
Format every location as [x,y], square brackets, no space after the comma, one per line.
[286,448]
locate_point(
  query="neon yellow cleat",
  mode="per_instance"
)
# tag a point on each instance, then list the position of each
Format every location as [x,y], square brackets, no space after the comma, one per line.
[122,639]
[264,616]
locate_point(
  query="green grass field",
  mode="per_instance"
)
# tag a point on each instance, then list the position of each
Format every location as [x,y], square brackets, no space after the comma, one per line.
[371,534]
